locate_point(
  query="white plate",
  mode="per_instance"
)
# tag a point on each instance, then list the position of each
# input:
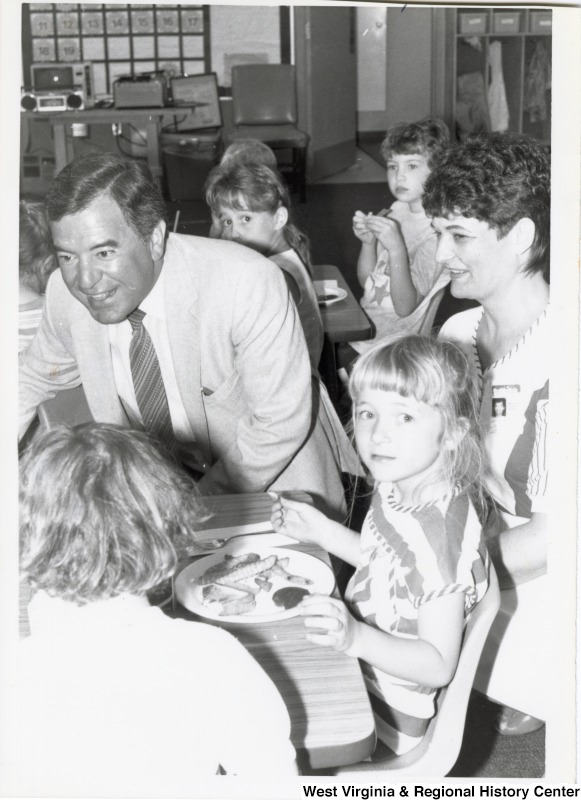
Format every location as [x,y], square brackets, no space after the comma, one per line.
[245,544]
[330,295]
[242,544]
[189,592]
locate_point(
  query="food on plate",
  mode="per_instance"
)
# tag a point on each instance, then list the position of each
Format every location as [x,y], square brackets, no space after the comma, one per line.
[226,566]
[240,587]
[263,583]
[279,569]
[289,596]
[244,571]
[228,601]
[232,586]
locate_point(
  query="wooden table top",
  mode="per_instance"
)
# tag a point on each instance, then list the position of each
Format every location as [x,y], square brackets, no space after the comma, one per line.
[345,320]
[105,115]
[331,719]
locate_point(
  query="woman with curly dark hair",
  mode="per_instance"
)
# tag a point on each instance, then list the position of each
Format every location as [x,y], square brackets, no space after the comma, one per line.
[489,200]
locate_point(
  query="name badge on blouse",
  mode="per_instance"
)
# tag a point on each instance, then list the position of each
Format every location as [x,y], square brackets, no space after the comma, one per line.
[504,402]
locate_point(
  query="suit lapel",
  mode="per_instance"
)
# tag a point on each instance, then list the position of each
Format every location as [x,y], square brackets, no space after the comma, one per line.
[183,329]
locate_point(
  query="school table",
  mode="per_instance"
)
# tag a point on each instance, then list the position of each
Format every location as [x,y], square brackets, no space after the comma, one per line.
[343,321]
[331,718]
[150,118]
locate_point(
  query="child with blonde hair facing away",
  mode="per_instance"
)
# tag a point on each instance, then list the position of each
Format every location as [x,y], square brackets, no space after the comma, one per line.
[397,264]
[36,262]
[243,151]
[108,680]
[420,562]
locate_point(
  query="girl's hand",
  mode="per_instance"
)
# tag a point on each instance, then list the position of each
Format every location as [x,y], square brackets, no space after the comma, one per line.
[387,231]
[360,228]
[329,621]
[299,520]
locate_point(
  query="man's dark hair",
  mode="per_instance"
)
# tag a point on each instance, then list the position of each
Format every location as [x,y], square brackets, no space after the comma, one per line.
[498,178]
[128,182]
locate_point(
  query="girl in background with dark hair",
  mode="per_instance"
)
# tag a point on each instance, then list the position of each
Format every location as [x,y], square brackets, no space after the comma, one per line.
[397,266]
[252,204]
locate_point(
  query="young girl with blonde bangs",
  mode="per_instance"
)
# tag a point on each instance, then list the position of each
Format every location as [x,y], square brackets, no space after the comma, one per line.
[420,562]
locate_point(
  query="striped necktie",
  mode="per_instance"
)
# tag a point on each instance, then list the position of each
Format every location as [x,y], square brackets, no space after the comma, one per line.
[148,384]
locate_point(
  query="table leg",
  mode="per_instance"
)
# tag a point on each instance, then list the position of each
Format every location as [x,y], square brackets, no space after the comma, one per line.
[61,154]
[328,370]
[153,156]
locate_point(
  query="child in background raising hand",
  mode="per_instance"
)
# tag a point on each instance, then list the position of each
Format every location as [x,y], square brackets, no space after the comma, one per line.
[421,563]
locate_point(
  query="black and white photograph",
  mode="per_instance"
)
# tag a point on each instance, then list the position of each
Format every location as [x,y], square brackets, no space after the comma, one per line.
[293,282]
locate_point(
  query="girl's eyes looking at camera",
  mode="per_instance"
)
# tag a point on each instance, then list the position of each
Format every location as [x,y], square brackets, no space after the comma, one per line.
[227,220]
[367,415]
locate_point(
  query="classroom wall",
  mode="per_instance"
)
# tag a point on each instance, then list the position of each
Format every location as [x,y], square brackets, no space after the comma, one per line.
[394,67]
[243,35]
[371,29]
[394,62]
[408,63]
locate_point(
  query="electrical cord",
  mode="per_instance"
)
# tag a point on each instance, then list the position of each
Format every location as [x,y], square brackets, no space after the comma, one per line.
[173,126]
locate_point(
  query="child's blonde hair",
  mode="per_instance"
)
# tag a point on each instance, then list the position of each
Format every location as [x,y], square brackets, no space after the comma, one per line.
[436,373]
[248,151]
[255,187]
[102,512]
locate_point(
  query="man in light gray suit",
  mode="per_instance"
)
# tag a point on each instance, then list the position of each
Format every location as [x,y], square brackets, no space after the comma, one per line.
[232,354]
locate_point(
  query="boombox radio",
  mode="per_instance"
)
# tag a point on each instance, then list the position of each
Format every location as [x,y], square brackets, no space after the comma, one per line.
[41,100]
[59,87]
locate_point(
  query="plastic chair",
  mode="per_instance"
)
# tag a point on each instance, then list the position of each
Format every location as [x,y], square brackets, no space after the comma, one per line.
[428,321]
[438,751]
[68,406]
[264,107]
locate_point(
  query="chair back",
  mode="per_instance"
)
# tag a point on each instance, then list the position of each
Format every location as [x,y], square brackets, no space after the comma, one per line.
[68,407]
[264,94]
[438,751]
[428,320]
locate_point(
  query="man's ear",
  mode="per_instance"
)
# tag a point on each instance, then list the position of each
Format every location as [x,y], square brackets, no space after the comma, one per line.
[157,241]
[280,218]
[524,235]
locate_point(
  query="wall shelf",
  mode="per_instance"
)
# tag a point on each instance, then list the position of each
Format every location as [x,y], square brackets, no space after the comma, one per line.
[514,44]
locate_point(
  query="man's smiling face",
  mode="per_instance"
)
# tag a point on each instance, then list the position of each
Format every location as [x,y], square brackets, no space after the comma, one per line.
[106,266]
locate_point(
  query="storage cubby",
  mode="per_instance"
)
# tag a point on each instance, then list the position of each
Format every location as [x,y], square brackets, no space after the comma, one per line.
[500,65]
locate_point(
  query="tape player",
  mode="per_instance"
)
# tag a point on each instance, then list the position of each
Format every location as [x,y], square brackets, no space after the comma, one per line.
[40,100]
[148,90]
